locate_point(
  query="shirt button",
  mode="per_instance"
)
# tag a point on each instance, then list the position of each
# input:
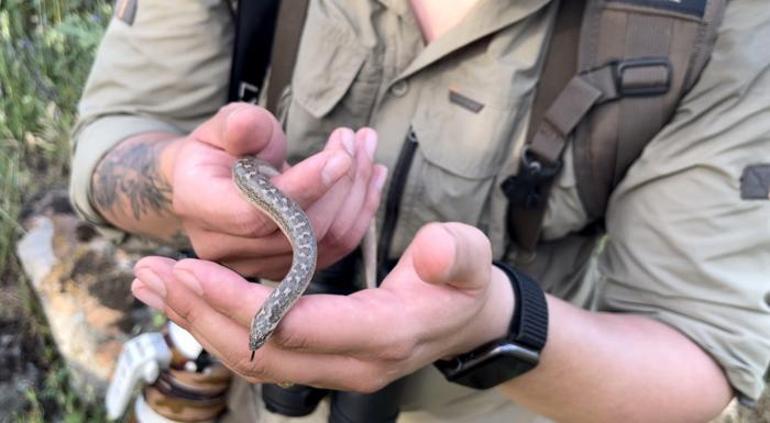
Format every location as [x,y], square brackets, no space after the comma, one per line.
[399,88]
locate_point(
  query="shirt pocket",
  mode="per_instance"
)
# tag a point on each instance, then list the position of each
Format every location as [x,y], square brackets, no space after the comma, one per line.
[462,152]
[335,83]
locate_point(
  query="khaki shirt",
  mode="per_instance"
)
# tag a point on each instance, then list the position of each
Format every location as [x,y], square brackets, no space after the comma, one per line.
[682,246]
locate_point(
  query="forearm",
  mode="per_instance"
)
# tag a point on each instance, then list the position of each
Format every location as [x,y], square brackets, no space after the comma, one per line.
[131,187]
[615,367]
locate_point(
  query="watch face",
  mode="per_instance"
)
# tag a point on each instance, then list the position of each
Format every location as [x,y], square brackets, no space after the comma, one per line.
[490,366]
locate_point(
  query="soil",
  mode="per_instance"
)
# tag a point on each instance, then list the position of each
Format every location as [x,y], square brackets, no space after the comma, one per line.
[22,368]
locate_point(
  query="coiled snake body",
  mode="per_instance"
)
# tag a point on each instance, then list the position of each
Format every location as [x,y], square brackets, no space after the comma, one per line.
[251,176]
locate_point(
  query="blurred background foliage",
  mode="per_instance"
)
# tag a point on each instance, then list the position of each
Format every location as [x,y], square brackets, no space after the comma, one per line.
[46,51]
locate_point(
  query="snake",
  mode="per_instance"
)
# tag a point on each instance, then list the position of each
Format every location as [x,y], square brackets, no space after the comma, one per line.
[252,178]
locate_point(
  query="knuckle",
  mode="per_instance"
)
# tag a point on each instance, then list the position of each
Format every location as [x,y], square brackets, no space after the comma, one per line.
[252,267]
[373,381]
[288,339]
[186,310]
[204,248]
[254,373]
[398,351]
[247,224]
[348,243]
[334,239]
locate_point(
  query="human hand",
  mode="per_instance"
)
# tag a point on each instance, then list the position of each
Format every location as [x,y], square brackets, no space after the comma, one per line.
[339,188]
[443,298]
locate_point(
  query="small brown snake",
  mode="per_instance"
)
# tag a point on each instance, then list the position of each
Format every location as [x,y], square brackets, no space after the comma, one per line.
[252,177]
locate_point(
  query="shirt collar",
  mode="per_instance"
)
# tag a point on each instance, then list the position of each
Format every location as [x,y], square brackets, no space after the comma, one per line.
[485,18]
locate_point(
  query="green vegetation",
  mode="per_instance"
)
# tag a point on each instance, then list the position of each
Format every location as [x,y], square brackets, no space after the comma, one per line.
[46,50]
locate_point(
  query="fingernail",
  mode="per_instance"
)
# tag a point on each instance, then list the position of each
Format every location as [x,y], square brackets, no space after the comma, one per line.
[349,141]
[337,165]
[380,177]
[152,280]
[189,280]
[370,141]
[146,294]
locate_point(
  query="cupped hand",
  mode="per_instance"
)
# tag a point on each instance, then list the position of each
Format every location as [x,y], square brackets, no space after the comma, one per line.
[443,298]
[339,188]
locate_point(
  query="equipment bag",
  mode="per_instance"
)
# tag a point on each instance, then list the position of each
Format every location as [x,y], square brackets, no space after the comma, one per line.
[612,78]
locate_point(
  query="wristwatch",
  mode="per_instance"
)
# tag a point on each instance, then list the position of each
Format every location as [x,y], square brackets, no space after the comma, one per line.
[519,352]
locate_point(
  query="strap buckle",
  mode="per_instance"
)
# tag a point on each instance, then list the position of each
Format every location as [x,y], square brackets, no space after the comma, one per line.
[527,189]
[642,77]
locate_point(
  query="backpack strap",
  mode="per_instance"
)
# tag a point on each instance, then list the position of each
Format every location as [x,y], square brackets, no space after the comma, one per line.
[254,29]
[636,59]
[267,35]
[525,217]
[291,21]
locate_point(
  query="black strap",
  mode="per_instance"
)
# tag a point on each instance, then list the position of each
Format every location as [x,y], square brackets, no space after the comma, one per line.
[529,325]
[255,23]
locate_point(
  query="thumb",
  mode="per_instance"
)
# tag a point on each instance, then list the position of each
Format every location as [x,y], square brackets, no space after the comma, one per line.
[241,129]
[452,254]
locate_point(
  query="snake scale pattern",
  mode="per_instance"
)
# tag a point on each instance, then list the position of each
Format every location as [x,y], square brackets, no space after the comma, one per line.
[252,177]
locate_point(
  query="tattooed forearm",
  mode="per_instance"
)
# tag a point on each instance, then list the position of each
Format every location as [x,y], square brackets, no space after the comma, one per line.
[128,177]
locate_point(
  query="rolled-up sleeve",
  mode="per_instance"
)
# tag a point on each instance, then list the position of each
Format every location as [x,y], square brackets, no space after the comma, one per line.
[685,246]
[166,70]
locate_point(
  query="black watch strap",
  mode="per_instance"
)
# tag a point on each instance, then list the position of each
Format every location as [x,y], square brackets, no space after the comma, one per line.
[529,325]
[517,353]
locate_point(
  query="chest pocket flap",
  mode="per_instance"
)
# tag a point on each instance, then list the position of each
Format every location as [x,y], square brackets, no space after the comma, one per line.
[330,61]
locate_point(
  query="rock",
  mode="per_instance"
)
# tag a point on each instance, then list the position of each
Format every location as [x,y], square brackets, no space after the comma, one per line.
[83,283]
[35,250]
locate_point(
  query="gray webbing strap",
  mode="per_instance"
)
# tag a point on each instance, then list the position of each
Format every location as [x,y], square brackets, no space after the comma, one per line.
[291,20]
[560,64]
[636,60]
[578,97]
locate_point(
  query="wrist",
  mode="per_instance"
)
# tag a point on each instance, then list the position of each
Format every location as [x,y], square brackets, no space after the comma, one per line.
[167,159]
[502,304]
[513,354]
[494,319]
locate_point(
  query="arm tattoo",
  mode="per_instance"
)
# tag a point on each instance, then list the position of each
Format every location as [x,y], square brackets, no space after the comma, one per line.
[131,172]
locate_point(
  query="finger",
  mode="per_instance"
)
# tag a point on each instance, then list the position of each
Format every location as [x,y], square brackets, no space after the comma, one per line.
[228,341]
[453,254]
[325,210]
[308,181]
[216,246]
[366,143]
[342,138]
[146,295]
[317,323]
[208,197]
[331,252]
[242,128]
[273,268]
[189,303]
